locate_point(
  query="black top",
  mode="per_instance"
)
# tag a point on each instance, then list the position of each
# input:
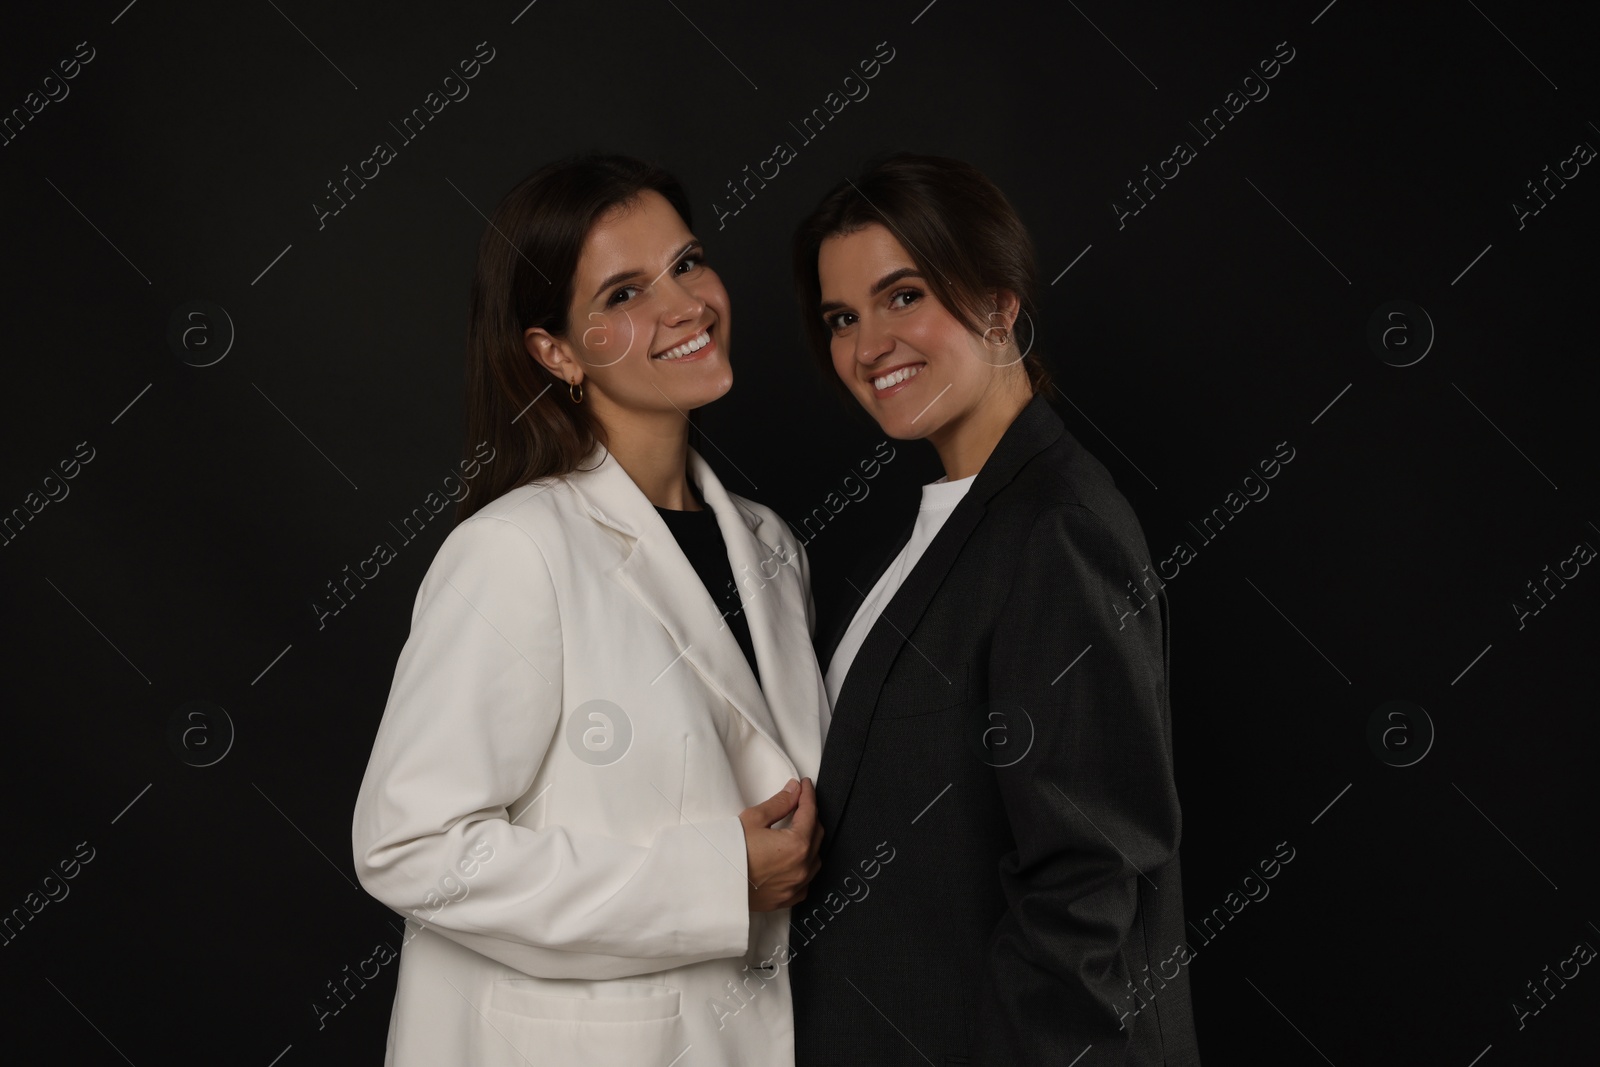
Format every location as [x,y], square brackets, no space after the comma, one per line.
[697,534]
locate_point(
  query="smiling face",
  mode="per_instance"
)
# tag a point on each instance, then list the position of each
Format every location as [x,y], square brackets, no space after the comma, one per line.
[647,330]
[910,362]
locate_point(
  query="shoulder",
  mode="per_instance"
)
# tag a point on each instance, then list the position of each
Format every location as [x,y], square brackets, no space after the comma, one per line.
[1066,490]
[513,524]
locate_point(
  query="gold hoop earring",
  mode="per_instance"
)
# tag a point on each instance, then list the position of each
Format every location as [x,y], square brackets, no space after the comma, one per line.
[1004,337]
[575,391]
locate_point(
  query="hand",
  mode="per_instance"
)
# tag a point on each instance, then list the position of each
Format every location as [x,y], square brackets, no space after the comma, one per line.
[782,862]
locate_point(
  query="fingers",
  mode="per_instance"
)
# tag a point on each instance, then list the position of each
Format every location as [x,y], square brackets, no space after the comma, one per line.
[805,823]
[776,807]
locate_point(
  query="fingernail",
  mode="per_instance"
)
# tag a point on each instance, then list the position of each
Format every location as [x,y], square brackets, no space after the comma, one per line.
[792,787]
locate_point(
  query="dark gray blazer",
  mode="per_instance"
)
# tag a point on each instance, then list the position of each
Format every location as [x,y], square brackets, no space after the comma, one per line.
[1000,880]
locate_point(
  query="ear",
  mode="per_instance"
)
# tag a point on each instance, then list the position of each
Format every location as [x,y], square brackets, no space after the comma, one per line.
[1006,308]
[551,354]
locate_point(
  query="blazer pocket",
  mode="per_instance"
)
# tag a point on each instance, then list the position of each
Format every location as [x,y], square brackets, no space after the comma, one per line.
[589,1002]
[920,689]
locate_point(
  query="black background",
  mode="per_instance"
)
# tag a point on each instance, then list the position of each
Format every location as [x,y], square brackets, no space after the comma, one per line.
[1229,315]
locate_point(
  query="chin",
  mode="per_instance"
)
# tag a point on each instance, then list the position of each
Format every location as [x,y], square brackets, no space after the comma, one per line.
[703,393]
[901,429]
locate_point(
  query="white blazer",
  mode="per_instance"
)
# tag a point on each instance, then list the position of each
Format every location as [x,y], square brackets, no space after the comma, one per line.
[553,795]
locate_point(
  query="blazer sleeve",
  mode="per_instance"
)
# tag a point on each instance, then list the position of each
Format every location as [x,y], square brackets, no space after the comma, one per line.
[1093,805]
[474,706]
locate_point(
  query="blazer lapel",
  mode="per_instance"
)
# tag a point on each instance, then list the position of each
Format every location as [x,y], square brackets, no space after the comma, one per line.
[1034,429]
[791,693]
[662,579]
[862,579]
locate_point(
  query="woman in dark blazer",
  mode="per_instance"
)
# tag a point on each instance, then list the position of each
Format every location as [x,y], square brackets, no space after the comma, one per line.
[1000,880]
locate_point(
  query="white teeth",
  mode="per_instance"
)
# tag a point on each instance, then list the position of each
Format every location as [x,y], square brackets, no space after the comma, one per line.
[693,344]
[895,377]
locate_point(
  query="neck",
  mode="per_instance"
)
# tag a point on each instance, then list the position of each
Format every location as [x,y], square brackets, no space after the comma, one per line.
[965,444]
[654,450]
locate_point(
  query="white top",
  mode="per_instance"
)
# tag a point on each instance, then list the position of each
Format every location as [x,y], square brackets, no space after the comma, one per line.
[939,499]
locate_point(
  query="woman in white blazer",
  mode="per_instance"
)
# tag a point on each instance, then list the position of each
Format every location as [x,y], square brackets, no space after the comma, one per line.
[592,813]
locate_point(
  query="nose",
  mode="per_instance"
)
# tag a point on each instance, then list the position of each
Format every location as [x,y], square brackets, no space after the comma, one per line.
[682,304]
[872,343]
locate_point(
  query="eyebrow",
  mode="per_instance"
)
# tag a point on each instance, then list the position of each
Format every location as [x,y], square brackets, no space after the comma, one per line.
[878,286]
[624,275]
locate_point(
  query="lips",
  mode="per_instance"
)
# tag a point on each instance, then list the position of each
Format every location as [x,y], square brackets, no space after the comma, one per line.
[685,348]
[888,380]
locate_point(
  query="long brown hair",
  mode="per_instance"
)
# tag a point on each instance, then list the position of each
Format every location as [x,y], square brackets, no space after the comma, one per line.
[956,225]
[527,257]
